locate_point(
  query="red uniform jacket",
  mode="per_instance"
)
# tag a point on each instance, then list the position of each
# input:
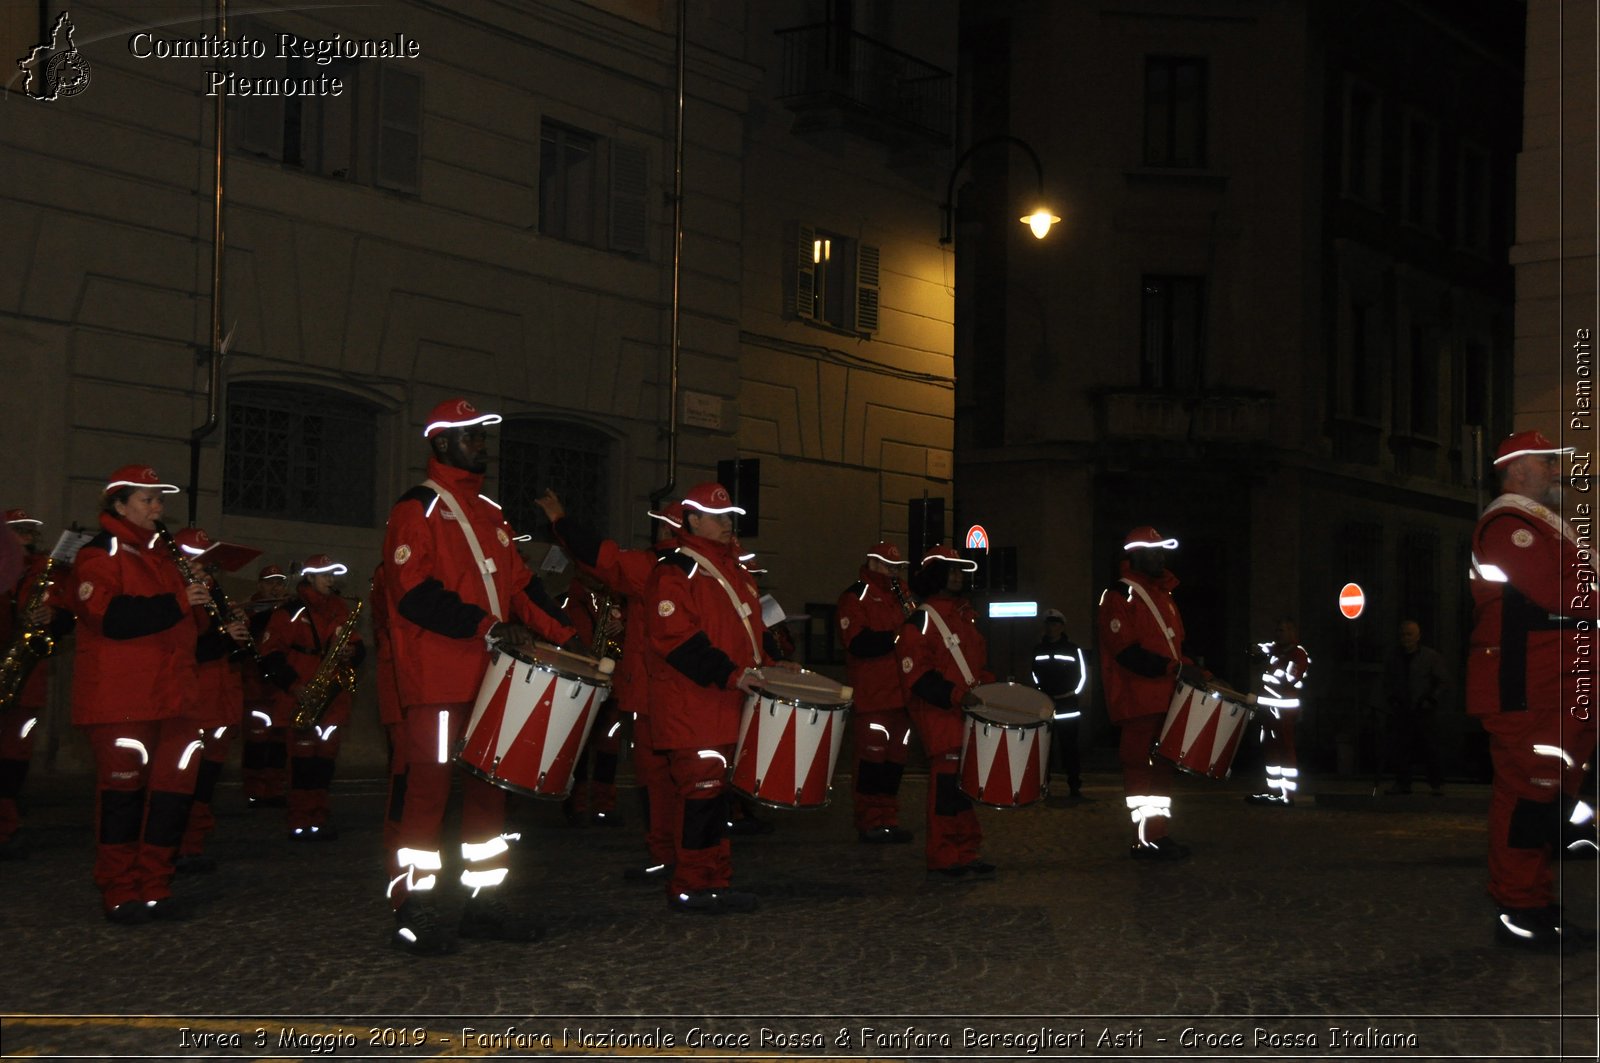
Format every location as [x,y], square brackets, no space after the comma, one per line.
[928,667]
[1139,654]
[305,629]
[869,616]
[220,694]
[441,607]
[1530,586]
[627,573]
[59,597]
[699,645]
[136,632]
[388,689]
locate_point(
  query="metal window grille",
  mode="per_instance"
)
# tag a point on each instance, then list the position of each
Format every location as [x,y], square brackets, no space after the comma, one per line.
[570,459]
[299,453]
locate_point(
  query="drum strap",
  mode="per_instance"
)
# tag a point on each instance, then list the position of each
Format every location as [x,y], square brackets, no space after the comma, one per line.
[951,641]
[740,608]
[1144,596]
[485,566]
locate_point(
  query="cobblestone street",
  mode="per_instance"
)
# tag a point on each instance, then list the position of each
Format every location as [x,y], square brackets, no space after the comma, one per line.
[1350,926]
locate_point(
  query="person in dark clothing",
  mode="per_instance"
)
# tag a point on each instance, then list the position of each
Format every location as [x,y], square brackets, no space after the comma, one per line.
[1060,670]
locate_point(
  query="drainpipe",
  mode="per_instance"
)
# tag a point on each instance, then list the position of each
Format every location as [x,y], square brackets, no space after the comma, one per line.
[214,358]
[660,493]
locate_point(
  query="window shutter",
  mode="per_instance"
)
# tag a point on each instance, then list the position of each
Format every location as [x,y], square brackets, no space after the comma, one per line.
[867,258]
[259,119]
[630,185]
[399,148]
[800,274]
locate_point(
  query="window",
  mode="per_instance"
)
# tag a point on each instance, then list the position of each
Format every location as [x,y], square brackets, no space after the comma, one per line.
[1421,173]
[1174,111]
[833,279]
[1472,200]
[370,133]
[1362,398]
[571,459]
[1423,405]
[1173,348]
[300,453]
[1418,569]
[1363,144]
[593,190]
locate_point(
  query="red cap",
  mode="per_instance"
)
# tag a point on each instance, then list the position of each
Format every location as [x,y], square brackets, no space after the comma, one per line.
[671,513]
[270,572]
[886,552]
[17,516]
[138,476]
[949,556]
[1523,444]
[456,413]
[193,541]
[322,565]
[710,498]
[1147,537]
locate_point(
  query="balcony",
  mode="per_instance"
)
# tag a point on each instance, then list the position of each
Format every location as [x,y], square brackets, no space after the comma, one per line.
[1187,417]
[836,78]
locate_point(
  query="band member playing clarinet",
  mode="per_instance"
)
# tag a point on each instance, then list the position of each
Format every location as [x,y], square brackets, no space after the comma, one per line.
[455,585]
[134,686]
[869,614]
[1141,660]
[942,657]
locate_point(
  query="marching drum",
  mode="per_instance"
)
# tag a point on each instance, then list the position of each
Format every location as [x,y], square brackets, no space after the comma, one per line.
[1202,731]
[789,738]
[1005,751]
[532,716]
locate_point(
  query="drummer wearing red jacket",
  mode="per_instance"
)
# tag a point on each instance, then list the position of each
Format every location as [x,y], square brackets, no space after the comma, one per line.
[703,618]
[942,656]
[455,585]
[870,613]
[627,573]
[1531,651]
[1141,660]
[20,719]
[133,692]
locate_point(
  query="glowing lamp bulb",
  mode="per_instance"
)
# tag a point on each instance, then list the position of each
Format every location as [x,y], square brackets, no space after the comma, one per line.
[1039,221]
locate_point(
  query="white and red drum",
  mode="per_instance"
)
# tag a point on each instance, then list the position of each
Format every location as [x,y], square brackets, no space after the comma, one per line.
[1202,731]
[1005,751]
[789,738]
[532,716]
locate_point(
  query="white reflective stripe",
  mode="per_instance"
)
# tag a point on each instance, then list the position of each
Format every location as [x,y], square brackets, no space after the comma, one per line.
[925,620]
[1073,715]
[328,733]
[1292,773]
[478,880]
[1035,677]
[1581,814]
[477,852]
[482,418]
[422,859]
[298,613]
[1492,573]
[188,752]
[406,933]
[28,726]
[396,881]
[1059,657]
[1581,844]
[708,753]
[1164,544]
[614,729]
[136,745]
[444,736]
[906,741]
[1277,703]
[1505,921]
[491,501]
[191,550]
[713,512]
[114,545]
[263,717]
[1083,673]
[512,836]
[864,591]
[426,882]
[429,511]
[219,732]
[1045,657]
[880,727]
[693,570]
[1554,751]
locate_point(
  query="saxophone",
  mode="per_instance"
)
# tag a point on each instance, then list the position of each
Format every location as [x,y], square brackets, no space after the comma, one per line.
[332,676]
[31,645]
[607,632]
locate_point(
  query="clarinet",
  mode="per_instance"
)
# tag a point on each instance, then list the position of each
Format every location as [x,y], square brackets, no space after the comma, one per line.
[186,570]
[907,606]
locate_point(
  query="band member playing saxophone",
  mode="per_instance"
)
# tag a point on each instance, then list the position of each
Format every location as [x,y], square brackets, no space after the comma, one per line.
[869,614]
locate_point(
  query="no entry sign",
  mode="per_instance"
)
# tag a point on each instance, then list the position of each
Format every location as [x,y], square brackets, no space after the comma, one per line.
[1352,600]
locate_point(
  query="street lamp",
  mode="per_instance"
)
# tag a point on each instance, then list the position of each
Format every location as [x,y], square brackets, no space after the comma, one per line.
[1038,221]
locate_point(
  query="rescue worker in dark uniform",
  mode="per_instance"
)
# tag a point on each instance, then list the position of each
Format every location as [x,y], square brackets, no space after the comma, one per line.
[1285,665]
[1059,670]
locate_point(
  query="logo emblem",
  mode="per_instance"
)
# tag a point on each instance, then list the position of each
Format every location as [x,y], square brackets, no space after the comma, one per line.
[500,533]
[56,69]
[844,623]
[1116,626]
[85,589]
[402,554]
[666,608]
[905,665]
[1522,537]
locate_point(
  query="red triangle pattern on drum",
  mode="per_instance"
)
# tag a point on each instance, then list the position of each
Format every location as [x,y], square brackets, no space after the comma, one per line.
[483,738]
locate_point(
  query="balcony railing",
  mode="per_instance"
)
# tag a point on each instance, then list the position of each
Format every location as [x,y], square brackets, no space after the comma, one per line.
[829,68]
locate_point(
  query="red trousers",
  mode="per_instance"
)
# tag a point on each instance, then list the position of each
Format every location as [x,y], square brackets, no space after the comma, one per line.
[881,741]
[653,769]
[312,753]
[1146,780]
[144,781]
[431,735]
[201,821]
[1526,810]
[954,834]
[703,858]
[594,788]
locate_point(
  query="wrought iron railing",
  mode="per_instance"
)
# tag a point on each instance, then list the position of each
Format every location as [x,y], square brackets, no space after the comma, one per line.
[825,65]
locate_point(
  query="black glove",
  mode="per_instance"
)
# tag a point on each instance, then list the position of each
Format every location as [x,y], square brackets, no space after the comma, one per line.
[1192,674]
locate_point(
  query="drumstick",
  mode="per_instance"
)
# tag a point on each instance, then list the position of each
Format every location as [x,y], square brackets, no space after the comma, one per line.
[606,666]
[847,693]
[1231,694]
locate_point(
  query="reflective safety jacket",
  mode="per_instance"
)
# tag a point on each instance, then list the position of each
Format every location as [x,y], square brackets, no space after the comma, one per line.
[1059,669]
[1283,677]
[627,573]
[1140,648]
[869,617]
[928,670]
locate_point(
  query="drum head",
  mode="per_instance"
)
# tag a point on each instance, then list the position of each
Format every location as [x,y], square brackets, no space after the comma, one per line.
[1011,704]
[803,688]
[562,663]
